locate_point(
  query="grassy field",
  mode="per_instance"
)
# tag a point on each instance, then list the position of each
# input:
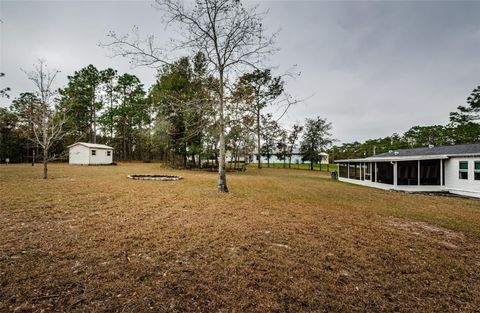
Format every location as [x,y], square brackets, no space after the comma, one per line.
[89,239]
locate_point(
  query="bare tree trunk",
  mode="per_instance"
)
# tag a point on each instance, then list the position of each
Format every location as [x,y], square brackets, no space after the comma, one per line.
[258,139]
[94,119]
[45,163]
[237,159]
[185,155]
[111,115]
[222,179]
[124,153]
[244,166]
[46,146]
[231,163]
[31,134]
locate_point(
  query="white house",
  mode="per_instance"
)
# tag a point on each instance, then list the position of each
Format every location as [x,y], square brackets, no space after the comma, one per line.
[454,169]
[90,154]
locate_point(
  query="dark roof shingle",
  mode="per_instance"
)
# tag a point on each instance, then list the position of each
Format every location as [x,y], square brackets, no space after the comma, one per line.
[472,148]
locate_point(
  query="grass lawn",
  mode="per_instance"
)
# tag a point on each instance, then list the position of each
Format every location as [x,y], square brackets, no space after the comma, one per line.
[89,239]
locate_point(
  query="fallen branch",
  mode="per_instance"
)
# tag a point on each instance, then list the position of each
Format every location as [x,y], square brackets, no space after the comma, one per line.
[45,297]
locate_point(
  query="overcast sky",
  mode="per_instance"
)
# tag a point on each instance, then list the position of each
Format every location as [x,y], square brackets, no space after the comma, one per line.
[371,68]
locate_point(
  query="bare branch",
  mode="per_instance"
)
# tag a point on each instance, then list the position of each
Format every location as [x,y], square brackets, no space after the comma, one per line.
[47,122]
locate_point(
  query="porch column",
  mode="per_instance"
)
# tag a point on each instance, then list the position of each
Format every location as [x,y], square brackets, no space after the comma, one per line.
[418,171]
[395,174]
[348,170]
[441,172]
[371,168]
[376,171]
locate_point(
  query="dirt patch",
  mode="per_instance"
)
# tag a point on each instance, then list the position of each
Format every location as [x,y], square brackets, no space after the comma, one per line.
[445,237]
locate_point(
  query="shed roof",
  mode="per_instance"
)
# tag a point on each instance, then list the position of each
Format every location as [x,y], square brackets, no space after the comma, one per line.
[91,145]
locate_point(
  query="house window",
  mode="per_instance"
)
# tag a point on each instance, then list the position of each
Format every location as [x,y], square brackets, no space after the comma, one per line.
[477,170]
[109,153]
[94,152]
[463,169]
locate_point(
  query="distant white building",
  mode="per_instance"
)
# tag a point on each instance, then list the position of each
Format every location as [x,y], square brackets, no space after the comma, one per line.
[296,158]
[83,153]
[454,169]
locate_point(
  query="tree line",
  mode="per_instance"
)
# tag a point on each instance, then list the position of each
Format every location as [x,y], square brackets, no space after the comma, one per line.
[202,106]
[463,127]
[174,121]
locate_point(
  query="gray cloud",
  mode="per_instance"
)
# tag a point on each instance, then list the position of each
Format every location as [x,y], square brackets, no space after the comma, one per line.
[371,68]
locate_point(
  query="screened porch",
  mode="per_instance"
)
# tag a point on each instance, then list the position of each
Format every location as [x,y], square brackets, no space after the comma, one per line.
[429,172]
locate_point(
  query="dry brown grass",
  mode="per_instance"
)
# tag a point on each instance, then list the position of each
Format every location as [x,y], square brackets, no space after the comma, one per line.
[282,241]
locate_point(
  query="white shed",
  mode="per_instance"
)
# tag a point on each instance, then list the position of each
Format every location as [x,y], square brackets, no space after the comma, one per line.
[84,153]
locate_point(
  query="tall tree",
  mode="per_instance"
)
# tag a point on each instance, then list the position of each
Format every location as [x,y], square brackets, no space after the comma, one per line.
[26,109]
[240,138]
[258,89]
[292,141]
[230,35]
[131,114]
[423,136]
[9,144]
[270,132]
[315,140]
[466,120]
[83,100]
[282,147]
[109,77]
[181,95]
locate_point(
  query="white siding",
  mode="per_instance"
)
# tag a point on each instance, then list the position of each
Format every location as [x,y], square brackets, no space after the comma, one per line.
[100,156]
[466,187]
[78,155]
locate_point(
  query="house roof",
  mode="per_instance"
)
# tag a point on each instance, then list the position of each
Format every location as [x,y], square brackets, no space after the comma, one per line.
[91,145]
[465,149]
[424,153]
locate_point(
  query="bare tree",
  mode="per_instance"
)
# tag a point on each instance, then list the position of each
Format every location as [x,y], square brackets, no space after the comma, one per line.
[47,123]
[292,139]
[230,35]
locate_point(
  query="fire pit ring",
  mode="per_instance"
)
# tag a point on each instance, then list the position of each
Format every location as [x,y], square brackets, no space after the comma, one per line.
[155,177]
